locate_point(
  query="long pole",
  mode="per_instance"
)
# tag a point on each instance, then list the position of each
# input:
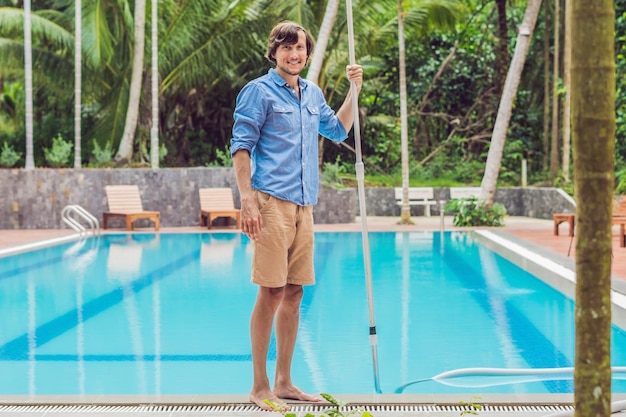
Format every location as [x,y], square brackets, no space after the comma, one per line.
[360,177]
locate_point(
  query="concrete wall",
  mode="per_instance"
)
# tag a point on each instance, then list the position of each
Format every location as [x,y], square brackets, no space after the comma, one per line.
[34,199]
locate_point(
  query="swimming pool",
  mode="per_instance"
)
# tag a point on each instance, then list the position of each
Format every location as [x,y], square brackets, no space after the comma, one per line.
[169,314]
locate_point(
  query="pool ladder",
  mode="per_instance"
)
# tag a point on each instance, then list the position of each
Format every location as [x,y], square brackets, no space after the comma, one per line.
[75,210]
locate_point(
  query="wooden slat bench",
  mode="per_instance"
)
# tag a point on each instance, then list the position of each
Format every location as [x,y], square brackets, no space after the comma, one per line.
[418,196]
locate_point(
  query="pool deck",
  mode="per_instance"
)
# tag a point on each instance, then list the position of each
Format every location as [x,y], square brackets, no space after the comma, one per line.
[534,235]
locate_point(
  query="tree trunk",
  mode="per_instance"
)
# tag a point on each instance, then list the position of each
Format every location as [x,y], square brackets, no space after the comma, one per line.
[502,57]
[593,133]
[78,59]
[315,67]
[125,150]
[323,36]
[567,81]
[28,80]
[405,210]
[494,157]
[554,149]
[154,129]
[546,86]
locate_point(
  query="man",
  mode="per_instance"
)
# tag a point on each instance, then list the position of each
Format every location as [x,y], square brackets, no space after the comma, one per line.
[274,147]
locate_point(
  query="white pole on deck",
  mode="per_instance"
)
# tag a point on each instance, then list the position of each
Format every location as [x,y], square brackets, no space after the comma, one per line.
[360,176]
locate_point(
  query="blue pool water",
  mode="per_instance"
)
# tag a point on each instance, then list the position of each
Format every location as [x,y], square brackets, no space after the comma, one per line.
[169,314]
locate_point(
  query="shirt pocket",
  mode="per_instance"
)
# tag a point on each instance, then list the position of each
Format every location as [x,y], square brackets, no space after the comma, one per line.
[282,117]
[313,118]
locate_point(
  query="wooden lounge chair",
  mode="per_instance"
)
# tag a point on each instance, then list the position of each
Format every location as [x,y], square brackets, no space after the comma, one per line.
[217,202]
[124,201]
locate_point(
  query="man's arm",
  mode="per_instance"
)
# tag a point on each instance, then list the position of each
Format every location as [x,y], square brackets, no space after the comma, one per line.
[345,113]
[251,220]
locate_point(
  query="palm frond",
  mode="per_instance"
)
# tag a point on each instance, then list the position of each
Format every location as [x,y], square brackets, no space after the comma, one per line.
[43,30]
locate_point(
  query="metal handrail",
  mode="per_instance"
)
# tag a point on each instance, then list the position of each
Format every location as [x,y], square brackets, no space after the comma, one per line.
[93,223]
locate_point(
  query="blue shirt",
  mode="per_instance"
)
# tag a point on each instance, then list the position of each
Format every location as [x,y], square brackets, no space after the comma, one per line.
[280,132]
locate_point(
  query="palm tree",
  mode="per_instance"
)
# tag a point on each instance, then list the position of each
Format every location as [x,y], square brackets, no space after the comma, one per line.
[78,59]
[104,24]
[125,150]
[593,133]
[567,68]
[490,178]
[28,79]
[445,16]
[323,36]
[405,211]
[554,150]
[154,130]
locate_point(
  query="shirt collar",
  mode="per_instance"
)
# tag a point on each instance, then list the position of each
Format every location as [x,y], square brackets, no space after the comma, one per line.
[280,81]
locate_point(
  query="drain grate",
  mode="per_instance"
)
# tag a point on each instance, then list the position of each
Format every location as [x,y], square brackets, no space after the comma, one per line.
[248,408]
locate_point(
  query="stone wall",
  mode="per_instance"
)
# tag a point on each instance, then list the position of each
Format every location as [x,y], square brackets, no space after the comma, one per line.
[538,202]
[34,199]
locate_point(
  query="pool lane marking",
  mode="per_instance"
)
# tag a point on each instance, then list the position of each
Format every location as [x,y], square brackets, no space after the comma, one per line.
[523,333]
[17,349]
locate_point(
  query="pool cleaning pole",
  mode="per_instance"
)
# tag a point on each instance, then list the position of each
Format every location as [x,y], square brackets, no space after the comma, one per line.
[360,177]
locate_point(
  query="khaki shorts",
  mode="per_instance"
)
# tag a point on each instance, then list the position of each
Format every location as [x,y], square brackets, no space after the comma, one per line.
[284,252]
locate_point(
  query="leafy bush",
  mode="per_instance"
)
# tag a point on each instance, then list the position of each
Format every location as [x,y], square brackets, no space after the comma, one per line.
[102,156]
[222,158]
[59,154]
[331,173]
[474,212]
[8,156]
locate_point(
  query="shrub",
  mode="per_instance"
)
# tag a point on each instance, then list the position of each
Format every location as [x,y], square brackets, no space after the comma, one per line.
[8,156]
[332,172]
[59,154]
[102,156]
[474,212]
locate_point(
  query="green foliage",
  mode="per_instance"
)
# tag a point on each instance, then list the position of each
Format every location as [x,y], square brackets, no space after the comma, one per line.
[332,172]
[103,157]
[9,157]
[473,406]
[446,169]
[197,114]
[620,177]
[338,411]
[59,154]
[567,186]
[474,212]
[223,158]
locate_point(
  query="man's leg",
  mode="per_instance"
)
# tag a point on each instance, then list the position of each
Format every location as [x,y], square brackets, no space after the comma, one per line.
[287,321]
[263,313]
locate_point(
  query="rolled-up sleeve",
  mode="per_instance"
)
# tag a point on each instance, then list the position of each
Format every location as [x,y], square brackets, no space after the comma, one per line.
[248,119]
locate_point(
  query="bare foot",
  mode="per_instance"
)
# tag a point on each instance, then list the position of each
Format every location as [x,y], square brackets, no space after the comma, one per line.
[260,397]
[291,392]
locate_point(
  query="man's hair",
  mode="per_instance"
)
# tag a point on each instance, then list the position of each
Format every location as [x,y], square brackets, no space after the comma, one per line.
[286,33]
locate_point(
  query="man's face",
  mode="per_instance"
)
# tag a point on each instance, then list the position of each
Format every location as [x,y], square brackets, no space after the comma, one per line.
[291,59]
